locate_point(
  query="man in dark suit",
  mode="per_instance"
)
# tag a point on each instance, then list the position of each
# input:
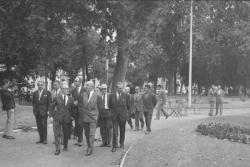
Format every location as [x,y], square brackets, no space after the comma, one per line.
[8,106]
[105,121]
[89,104]
[119,105]
[41,101]
[149,102]
[78,130]
[56,91]
[138,108]
[131,103]
[62,117]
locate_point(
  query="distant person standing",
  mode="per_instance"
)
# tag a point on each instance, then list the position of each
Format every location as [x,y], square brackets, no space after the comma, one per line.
[8,106]
[161,102]
[138,109]
[211,99]
[41,102]
[219,100]
[149,102]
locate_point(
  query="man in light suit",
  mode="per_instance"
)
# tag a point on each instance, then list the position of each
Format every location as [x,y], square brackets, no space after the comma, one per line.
[149,102]
[62,117]
[41,101]
[105,121]
[89,104]
[119,105]
[78,130]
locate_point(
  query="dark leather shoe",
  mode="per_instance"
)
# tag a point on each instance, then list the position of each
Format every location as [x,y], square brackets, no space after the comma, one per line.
[38,142]
[103,145]
[57,152]
[4,136]
[122,146]
[89,152]
[10,137]
[44,142]
[65,149]
[114,149]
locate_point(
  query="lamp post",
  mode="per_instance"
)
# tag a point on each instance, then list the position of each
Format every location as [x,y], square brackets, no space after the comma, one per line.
[190,57]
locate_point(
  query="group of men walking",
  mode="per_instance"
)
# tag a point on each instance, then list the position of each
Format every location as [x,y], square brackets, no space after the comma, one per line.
[88,108]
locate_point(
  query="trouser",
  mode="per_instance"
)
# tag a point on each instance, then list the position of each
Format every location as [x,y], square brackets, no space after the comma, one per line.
[78,130]
[211,104]
[106,130]
[10,122]
[148,119]
[160,109]
[89,131]
[139,117]
[219,106]
[41,122]
[130,122]
[122,127]
[55,128]
[61,129]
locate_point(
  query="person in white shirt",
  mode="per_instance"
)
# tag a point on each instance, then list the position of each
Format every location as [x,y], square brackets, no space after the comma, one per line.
[62,117]
[105,121]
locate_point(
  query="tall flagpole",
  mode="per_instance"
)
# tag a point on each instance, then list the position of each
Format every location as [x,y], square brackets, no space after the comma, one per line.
[190,57]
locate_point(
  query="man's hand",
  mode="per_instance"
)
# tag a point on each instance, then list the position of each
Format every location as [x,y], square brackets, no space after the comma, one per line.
[75,102]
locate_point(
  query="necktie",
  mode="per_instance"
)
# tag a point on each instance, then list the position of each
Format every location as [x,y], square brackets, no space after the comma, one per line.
[64,100]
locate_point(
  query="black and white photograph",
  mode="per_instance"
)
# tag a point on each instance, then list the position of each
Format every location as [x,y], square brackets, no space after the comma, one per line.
[124,83]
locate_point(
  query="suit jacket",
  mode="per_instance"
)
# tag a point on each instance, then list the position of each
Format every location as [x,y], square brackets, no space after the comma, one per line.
[119,107]
[63,112]
[104,113]
[53,93]
[41,106]
[7,98]
[149,102]
[89,110]
[138,106]
[76,96]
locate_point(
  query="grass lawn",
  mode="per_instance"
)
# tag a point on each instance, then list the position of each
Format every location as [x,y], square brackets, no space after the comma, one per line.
[24,116]
[182,146]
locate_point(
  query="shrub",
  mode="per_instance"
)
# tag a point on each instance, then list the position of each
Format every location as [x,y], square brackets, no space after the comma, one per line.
[225,131]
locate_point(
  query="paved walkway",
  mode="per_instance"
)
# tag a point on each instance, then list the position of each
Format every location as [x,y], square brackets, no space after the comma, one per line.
[23,152]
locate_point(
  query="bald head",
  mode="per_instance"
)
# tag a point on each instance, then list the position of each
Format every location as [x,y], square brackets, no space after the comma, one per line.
[90,85]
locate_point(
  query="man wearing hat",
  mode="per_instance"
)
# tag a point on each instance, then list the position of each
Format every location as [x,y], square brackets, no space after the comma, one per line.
[62,117]
[78,130]
[41,101]
[88,105]
[105,121]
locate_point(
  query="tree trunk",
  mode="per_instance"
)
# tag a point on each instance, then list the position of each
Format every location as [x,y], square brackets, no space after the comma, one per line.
[87,72]
[122,58]
[171,83]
